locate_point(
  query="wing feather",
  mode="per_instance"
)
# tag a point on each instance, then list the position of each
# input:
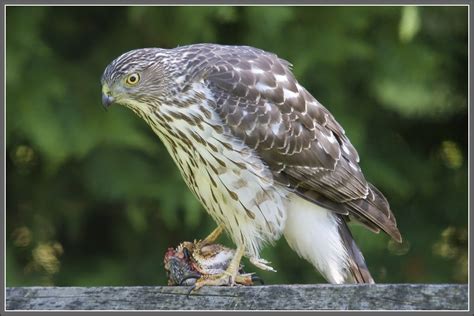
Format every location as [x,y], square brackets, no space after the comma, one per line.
[261,102]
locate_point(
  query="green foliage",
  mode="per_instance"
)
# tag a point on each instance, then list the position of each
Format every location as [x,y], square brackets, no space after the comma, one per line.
[93,197]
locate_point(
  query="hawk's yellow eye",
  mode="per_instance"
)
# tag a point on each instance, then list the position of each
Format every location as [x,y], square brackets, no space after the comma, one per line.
[133,79]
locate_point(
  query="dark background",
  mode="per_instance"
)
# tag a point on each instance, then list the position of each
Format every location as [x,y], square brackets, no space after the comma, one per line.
[93,198]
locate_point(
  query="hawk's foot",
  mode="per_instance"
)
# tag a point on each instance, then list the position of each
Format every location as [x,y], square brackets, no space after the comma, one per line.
[229,277]
[261,264]
[224,279]
[240,279]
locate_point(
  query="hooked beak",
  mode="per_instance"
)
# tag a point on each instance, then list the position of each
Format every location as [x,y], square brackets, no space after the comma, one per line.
[107,100]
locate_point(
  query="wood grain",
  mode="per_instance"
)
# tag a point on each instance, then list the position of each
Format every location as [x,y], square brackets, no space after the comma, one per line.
[270,297]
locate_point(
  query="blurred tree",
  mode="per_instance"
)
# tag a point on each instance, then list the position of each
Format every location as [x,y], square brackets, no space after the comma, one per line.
[94,199]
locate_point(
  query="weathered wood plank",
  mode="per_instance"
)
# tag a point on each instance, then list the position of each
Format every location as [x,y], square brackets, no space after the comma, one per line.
[273,297]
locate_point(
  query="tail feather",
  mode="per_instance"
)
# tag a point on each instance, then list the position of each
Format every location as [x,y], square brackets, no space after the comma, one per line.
[356,262]
[375,211]
[323,238]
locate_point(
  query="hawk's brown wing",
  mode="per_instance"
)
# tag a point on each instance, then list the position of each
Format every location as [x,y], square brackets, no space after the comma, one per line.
[262,104]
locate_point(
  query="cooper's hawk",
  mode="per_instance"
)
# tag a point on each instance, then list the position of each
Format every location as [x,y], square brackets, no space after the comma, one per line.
[261,154]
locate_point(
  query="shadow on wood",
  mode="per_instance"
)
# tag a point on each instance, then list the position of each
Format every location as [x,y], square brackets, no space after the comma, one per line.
[273,297]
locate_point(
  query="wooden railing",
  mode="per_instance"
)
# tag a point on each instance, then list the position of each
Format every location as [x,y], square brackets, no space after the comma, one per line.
[272,297]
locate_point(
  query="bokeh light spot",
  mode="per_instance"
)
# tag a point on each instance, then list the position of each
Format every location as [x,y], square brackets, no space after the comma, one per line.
[451,154]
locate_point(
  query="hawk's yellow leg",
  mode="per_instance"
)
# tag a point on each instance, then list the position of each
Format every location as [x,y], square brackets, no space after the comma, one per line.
[228,277]
[212,237]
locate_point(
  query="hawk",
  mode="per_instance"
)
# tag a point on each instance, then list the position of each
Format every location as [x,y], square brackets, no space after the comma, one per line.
[260,153]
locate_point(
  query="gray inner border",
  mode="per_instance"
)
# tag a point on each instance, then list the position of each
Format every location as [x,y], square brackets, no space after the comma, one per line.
[214,2]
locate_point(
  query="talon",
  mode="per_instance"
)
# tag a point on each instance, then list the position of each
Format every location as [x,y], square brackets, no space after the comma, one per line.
[244,279]
[193,275]
[191,290]
[256,278]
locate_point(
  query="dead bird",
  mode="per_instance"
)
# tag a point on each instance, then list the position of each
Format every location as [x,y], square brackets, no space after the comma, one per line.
[190,262]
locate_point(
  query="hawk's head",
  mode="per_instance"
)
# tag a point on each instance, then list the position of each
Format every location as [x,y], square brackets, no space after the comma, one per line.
[137,78]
